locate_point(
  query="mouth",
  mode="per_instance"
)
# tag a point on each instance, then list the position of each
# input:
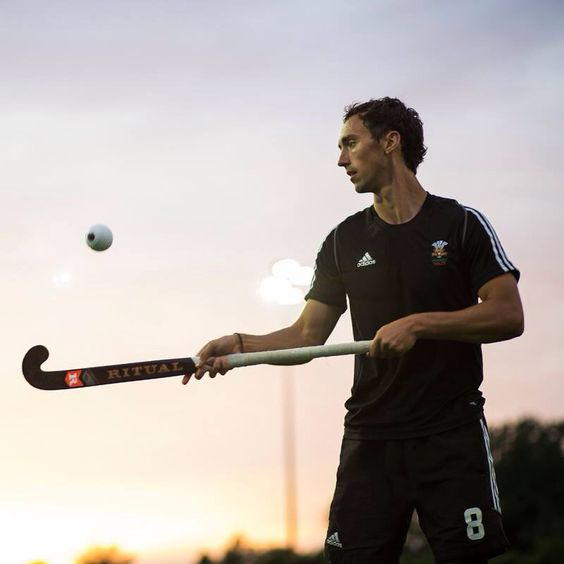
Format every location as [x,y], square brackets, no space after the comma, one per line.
[351,173]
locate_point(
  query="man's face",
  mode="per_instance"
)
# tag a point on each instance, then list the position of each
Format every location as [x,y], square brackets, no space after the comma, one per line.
[362,156]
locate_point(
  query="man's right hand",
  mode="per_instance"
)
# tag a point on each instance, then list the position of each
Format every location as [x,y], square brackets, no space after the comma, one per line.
[212,357]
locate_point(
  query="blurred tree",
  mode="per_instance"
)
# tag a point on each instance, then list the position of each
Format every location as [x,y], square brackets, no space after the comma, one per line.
[529,457]
[105,555]
[313,558]
[238,552]
[277,556]
[233,556]
[205,559]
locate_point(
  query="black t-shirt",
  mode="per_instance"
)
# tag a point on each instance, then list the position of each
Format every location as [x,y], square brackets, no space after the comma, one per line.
[435,262]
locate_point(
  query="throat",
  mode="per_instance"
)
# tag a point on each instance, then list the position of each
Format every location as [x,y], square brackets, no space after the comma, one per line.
[396,209]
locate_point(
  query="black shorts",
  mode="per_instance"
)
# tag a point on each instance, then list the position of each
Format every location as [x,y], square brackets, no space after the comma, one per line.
[448,478]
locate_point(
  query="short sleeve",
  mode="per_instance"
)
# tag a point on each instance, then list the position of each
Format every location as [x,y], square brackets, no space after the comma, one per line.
[484,254]
[327,285]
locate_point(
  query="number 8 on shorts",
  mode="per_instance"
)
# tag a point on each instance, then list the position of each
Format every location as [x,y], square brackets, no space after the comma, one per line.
[473,518]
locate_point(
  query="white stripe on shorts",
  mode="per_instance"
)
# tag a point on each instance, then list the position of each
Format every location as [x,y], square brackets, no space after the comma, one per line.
[493,483]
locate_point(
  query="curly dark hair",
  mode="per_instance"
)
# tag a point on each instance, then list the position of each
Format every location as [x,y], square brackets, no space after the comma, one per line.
[390,114]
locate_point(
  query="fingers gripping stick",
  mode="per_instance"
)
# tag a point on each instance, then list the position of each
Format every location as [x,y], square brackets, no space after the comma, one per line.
[147,370]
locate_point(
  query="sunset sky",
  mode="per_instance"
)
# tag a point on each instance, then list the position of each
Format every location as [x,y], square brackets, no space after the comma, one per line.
[204,133]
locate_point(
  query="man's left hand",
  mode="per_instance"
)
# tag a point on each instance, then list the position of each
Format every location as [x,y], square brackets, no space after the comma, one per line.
[394,339]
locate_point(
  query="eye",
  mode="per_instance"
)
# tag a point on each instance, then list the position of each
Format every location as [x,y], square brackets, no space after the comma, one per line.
[351,143]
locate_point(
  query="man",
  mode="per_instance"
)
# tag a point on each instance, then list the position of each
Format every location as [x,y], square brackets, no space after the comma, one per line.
[427,281]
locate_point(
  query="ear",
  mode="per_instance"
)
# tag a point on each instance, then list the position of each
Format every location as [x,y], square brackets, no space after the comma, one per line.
[391,141]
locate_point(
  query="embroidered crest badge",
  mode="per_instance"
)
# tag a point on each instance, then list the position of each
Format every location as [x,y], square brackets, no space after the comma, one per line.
[439,254]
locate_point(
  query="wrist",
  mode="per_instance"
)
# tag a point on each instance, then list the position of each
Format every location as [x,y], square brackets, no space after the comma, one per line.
[418,326]
[239,344]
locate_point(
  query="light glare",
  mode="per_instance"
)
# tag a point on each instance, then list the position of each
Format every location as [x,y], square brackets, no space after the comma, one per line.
[287,284]
[285,268]
[302,276]
[62,279]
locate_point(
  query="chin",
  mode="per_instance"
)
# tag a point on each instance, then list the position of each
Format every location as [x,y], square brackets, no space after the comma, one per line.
[361,189]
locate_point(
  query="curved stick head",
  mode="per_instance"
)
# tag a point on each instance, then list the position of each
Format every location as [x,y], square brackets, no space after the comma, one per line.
[31,366]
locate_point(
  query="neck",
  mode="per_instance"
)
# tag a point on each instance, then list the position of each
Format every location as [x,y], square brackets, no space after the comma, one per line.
[400,200]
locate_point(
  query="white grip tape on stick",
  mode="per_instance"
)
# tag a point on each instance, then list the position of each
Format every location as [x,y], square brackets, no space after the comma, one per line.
[296,356]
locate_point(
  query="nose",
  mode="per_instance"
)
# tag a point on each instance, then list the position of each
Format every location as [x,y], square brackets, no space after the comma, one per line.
[343,158]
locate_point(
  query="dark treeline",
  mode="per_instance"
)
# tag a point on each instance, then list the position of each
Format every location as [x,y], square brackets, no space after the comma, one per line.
[529,463]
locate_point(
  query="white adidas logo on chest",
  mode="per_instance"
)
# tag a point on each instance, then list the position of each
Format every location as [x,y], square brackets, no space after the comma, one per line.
[366,260]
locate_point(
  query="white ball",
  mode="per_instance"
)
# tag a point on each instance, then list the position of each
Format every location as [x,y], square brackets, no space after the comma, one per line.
[99,237]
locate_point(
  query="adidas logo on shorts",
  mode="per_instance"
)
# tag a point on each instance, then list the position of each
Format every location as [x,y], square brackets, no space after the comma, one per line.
[333,540]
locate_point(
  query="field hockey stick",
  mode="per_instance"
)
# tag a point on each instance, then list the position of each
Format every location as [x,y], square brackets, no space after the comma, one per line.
[151,369]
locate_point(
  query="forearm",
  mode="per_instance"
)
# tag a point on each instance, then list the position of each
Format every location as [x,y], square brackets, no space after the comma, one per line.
[313,327]
[486,322]
[286,338]
[498,317]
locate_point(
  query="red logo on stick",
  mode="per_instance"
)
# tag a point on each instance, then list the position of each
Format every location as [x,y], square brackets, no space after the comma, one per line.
[72,379]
